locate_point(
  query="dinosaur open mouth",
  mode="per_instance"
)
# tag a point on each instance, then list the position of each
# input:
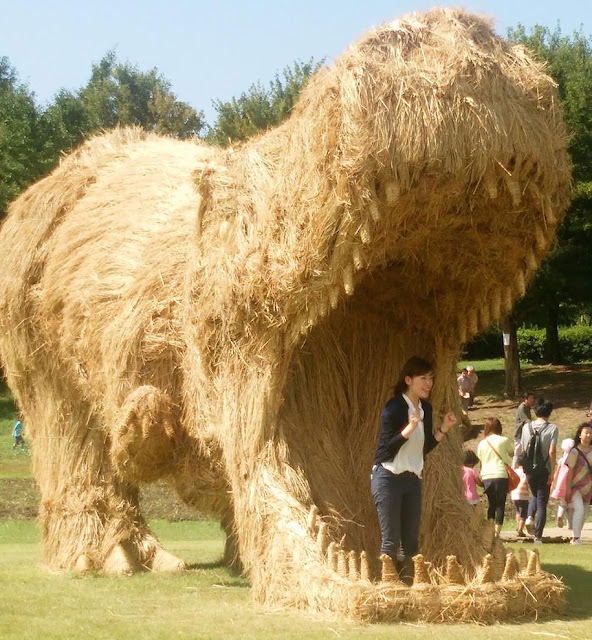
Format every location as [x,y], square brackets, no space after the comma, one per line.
[446,261]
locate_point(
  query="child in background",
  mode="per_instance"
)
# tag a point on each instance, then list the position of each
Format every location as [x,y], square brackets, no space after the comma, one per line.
[520,497]
[470,477]
[558,486]
[17,434]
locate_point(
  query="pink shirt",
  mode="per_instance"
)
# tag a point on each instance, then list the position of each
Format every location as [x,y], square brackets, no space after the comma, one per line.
[470,477]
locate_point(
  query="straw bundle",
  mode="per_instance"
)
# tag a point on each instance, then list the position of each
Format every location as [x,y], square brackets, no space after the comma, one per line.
[232,321]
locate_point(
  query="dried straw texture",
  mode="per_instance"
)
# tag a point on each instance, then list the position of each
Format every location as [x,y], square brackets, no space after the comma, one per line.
[233,320]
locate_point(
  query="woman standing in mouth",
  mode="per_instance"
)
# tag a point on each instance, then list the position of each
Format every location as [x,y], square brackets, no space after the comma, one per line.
[406,437]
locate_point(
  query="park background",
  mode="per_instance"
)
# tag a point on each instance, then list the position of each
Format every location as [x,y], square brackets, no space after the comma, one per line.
[46,113]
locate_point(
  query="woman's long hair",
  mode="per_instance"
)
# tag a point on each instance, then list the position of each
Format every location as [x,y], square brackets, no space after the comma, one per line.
[415,366]
[577,439]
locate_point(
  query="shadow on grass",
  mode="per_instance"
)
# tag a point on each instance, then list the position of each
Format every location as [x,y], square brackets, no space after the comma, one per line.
[217,564]
[578,581]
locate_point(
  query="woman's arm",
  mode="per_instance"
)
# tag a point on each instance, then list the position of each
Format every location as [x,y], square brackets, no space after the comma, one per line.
[568,485]
[447,423]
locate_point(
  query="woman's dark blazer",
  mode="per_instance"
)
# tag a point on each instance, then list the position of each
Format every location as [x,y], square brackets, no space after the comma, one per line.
[394,418]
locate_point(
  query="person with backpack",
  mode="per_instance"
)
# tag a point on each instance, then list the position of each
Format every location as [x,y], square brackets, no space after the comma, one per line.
[578,484]
[539,449]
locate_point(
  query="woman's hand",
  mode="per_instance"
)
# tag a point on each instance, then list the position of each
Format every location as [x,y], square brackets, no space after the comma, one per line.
[449,421]
[412,425]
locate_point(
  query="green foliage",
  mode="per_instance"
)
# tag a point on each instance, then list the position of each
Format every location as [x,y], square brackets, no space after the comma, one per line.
[20,161]
[564,276]
[575,344]
[118,94]
[259,108]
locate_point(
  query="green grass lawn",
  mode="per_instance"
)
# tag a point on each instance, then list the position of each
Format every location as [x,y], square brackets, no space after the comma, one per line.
[208,602]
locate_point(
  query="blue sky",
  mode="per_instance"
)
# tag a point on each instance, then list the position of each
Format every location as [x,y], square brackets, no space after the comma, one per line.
[217,49]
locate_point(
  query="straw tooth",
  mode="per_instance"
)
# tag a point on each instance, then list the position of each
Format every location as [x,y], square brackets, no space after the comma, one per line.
[520,283]
[348,279]
[374,210]
[342,568]
[485,318]
[357,258]
[531,261]
[364,567]
[514,188]
[453,571]
[334,297]
[364,232]
[311,523]
[499,559]
[332,559]
[473,322]
[313,312]
[540,238]
[462,329]
[510,570]
[507,300]
[354,566]
[488,535]
[420,570]
[323,537]
[490,182]
[537,565]
[531,567]
[393,192]
[550,216]
[496,305]
[323,306]
[486,570]
[388,573]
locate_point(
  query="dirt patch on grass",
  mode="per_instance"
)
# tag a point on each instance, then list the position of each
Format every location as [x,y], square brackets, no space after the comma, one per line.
[19,499]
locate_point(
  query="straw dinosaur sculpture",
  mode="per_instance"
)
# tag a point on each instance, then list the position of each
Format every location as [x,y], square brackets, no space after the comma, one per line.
[232,320]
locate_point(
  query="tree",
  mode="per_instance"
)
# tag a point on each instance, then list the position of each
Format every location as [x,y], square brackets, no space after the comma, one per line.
[118,94]
[20,160]
[565,274]
[259,108]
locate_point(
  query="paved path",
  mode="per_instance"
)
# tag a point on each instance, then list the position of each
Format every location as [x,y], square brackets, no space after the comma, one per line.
[552,534]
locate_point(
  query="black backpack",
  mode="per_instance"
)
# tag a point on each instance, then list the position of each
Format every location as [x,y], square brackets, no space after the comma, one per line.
[533,460]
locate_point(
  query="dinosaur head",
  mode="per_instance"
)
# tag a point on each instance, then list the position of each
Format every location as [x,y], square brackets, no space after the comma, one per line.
[422,175]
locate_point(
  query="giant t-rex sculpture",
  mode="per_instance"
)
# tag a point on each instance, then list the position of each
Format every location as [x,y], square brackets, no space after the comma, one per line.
[232,320]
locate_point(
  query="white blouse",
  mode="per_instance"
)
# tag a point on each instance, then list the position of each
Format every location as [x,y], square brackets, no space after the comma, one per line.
[410,455]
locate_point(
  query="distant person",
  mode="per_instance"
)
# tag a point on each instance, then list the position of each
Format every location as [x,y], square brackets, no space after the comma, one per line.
[578,485]
[18,438]
[539,448]
[493,451]
[470,477]
[521,497]
[464,389]
[523,416]
[474,379]
[559,481]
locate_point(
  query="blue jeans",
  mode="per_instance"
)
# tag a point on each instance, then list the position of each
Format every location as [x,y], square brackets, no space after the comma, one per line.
[398,502]
[538,503]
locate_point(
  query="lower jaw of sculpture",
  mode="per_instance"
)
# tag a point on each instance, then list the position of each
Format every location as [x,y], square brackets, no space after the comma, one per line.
[502,588]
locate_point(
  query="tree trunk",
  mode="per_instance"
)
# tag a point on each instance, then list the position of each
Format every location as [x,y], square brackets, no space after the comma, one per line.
[552,352]
[511,357]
